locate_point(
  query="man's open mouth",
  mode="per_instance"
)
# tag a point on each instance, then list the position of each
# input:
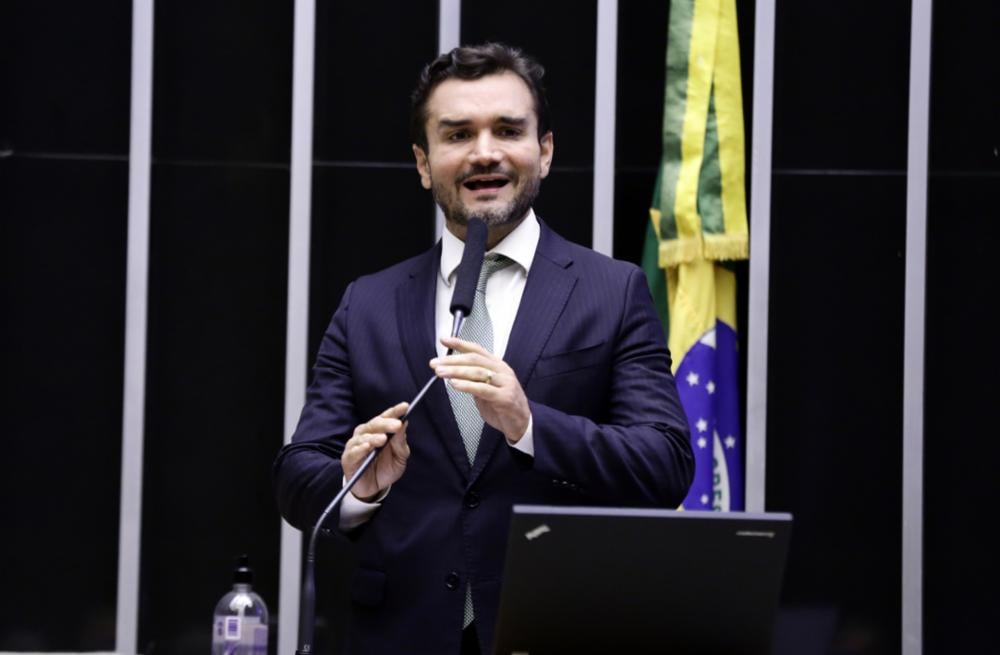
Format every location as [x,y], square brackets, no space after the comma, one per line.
[485,183]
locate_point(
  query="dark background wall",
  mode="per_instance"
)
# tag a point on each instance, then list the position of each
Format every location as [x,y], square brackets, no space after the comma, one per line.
[218,275]
[64,129]
[217,285]
[962,351]
[835,376]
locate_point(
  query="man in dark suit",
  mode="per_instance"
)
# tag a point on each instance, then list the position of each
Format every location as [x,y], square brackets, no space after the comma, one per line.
[560,393]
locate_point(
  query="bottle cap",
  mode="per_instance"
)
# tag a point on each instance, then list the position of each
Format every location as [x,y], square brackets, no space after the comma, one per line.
[243,573]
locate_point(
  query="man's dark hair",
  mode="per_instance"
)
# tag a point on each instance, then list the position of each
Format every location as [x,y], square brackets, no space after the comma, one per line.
[472,63]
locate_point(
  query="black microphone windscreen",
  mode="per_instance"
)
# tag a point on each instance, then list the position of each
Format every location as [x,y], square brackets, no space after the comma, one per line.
[468,270]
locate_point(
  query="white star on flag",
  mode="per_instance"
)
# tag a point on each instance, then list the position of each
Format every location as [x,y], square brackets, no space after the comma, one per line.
[702,425]
[710,387]
[702,442]
[730,441]
[704,499]
[692,379]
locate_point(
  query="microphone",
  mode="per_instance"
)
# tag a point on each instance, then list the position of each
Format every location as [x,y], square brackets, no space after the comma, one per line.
[467,276]
[462,299]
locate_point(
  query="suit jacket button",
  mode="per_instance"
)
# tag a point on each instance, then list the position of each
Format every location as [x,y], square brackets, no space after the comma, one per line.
[451,580]
[472,500]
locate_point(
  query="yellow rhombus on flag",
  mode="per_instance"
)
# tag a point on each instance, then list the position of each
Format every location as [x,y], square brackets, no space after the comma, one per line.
[697,220]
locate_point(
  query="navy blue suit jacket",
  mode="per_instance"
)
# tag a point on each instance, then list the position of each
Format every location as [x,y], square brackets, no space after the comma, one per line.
[608,427]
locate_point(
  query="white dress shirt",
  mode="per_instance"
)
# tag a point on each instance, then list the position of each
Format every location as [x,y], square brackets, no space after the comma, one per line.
[503,297]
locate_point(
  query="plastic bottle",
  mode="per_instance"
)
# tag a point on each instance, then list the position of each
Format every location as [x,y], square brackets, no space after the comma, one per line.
[240,625]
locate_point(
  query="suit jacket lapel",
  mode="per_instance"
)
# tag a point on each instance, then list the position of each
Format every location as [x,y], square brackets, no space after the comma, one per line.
[415,300]
[546,293]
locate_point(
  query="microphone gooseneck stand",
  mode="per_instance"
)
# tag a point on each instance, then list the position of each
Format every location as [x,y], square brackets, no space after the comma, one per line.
[461,305]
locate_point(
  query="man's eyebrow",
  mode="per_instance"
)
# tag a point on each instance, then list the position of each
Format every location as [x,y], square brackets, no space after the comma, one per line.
[446,123]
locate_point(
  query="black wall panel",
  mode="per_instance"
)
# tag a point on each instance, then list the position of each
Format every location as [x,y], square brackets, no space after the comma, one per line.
[217,312]
[64,97]
[62,256]
[566,203]
[841,84]
[642,48]
[834,433]
[961,451]
[642,53]
[355,233]
[222,75]
[965,88]
[214,396]
[368,56]
[835,353]
[961,577]
[633,193]
[369,210]
[65,73]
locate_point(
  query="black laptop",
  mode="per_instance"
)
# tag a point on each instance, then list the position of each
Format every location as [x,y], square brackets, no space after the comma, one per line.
[582,580]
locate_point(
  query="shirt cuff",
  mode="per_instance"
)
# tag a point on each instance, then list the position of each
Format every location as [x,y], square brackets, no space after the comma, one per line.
[355,512]
[527,443]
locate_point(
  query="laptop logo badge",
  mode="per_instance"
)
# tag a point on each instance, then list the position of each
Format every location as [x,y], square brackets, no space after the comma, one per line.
[755,533]
[535,533]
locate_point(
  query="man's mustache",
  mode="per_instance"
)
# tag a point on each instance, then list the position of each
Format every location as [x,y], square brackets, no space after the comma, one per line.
[495,169]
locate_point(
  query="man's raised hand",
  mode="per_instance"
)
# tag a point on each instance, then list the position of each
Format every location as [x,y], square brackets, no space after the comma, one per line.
[390,463]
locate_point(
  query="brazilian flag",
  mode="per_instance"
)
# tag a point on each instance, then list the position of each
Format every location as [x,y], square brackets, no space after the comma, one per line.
[698,221]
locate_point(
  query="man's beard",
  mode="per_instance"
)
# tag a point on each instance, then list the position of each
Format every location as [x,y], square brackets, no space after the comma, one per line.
[455,211]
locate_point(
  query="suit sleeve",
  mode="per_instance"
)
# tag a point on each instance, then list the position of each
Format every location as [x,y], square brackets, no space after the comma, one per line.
[307,472]
[641,455]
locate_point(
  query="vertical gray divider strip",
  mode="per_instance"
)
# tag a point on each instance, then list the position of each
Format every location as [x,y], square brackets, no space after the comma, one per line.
[136,303]
[913,332]
[297,331]
[760,254]
[449,37]
[604,126]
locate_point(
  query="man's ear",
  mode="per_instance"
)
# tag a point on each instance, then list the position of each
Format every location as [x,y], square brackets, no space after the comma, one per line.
[547,146]
[423,166]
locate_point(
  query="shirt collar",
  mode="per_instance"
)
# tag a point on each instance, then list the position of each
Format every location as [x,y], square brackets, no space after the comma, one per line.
[519,246]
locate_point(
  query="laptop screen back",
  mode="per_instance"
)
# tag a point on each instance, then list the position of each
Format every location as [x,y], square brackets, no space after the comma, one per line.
[605,580]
